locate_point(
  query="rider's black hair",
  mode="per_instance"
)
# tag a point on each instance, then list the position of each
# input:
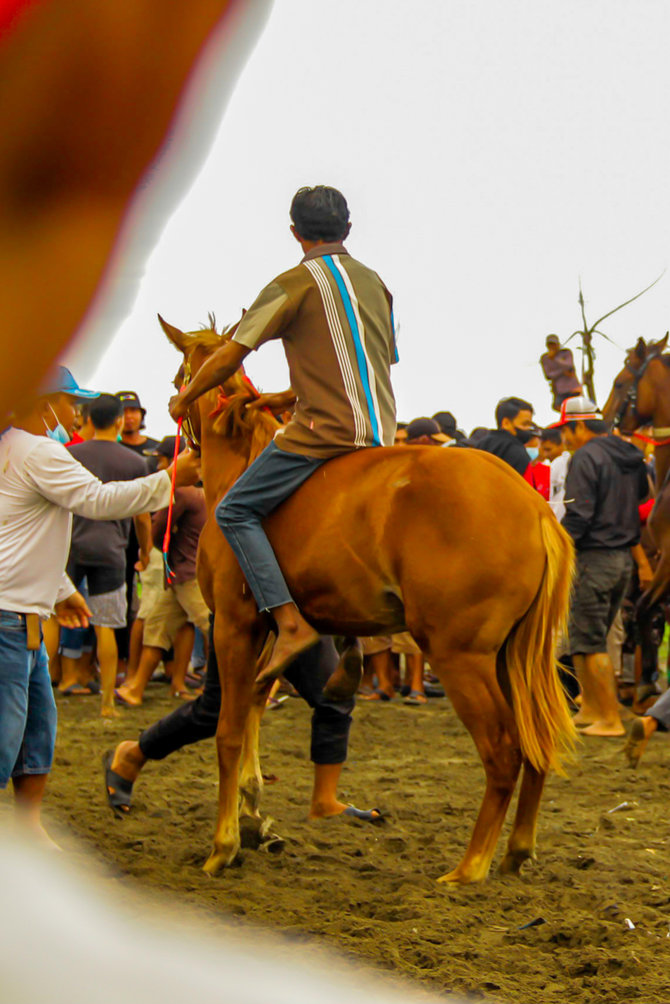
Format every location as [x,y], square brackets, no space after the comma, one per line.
[320,214]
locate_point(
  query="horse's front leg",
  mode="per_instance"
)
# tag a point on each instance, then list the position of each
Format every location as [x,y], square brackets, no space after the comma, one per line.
[236,656]
[251,778]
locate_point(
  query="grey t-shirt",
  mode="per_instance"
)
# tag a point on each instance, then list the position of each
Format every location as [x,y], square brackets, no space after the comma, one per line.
[103,542]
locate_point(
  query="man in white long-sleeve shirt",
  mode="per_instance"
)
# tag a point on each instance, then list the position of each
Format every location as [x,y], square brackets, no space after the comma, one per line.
[41,486]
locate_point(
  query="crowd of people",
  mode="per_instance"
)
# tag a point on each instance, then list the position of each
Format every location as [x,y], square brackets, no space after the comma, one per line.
[107,569]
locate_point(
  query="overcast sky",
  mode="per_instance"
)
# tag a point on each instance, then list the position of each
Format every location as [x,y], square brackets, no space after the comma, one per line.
[491,154]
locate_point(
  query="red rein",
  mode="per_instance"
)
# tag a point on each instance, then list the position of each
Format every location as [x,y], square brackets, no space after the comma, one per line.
[167,571]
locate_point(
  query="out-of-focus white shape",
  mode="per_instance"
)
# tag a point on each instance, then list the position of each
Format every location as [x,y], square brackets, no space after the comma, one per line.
[67,939]
[170,176]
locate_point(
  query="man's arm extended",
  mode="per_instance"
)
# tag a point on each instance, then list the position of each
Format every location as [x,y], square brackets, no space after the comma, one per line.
[143,530]
[213,372]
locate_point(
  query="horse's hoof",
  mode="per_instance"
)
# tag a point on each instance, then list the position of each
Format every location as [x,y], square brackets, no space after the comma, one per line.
[513,860]
[219,860]
[460,877]
[255,830]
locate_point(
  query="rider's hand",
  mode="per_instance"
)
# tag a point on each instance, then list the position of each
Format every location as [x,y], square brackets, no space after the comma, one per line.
[177,407]
[188,469]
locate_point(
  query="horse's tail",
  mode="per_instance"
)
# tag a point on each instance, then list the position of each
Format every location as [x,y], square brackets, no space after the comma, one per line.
[546,731]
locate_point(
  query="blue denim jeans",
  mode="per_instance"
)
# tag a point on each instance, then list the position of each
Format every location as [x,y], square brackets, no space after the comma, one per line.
[272,478]
[27,706]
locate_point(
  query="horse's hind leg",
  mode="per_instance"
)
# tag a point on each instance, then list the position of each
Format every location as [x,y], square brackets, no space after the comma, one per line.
[472,686]
[521,844]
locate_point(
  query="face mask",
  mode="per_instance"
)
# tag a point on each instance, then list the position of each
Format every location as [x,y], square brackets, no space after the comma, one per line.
[524,435]
[59,434]
[533,452]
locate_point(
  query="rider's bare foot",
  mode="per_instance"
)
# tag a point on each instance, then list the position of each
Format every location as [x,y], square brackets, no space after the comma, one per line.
[604,729]
[295,636]
[640,734]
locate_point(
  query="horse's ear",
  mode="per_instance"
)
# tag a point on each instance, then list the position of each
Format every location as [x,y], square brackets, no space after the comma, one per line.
[661,346]
[175,335]
[640,349]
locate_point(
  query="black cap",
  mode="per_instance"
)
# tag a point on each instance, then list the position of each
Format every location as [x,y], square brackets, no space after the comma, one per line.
[446,422]
[425,427]
[129,399]
[165,448]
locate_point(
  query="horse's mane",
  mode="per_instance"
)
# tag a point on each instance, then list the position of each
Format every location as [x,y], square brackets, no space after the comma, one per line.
[207,336]
[232,418]
[253,425]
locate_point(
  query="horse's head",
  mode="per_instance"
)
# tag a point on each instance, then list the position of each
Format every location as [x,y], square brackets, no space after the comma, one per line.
[631,402]
[235,411]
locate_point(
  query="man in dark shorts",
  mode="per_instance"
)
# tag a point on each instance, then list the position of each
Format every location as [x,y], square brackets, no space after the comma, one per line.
[605,484]
[98,548]
[132,437]
[335,319]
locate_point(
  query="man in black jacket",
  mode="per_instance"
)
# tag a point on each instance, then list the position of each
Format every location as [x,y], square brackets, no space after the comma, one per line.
[605,484]
[514,419]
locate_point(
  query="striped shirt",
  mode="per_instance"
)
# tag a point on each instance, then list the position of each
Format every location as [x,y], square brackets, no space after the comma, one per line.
[335,318]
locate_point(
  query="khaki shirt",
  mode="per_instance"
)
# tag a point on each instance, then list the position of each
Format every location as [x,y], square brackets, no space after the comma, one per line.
[335,318]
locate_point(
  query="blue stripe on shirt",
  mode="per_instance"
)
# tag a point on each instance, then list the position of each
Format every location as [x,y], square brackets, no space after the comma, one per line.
[361,357]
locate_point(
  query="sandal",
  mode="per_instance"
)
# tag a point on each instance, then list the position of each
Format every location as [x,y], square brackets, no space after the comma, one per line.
[118,790]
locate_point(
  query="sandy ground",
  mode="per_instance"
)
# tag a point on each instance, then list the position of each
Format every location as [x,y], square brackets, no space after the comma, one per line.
[371,890]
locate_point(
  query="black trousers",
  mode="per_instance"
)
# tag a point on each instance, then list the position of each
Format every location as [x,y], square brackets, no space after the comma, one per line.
[196,720]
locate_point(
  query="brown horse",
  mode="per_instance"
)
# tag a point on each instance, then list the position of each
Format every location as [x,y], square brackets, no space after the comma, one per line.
[640,396]
[451,545]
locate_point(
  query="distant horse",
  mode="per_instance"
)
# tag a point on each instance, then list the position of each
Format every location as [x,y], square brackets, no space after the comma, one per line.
[451,545]
[640,396]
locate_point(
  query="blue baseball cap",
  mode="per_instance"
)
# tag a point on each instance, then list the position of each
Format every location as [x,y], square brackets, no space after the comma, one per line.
[61,381]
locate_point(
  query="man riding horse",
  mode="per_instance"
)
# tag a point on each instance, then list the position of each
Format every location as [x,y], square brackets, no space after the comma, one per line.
[335,318]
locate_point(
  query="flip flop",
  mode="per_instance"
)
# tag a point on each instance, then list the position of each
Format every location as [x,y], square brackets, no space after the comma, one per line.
[365,815]
[77,690]
[118,790]
[376,695]
[121,699]
[415,699]
[275,703]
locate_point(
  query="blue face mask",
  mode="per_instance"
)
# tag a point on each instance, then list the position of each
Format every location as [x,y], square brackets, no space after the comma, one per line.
[533,452]
[59,434]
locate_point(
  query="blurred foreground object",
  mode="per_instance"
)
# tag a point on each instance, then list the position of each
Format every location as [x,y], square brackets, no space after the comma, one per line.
[71,940]
[88,94]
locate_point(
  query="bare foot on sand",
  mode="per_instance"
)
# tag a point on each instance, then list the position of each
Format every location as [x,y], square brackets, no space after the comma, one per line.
[604,729]
[126,696]
[640,734]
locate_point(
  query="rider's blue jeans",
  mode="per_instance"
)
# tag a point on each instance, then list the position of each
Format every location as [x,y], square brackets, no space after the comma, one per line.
[272,478]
